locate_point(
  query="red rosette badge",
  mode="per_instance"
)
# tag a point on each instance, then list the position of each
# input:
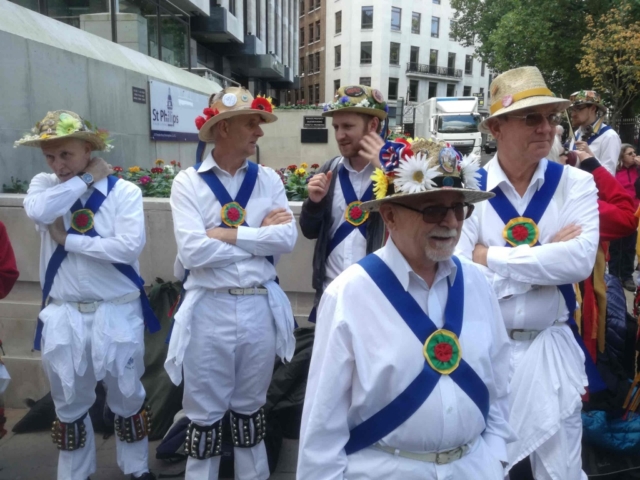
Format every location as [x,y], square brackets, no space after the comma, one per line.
[82,220]
[355,215]
[442,351]
[521,231]
[233,215]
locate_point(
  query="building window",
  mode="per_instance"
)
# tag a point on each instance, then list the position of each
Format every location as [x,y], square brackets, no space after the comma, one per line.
[413,90]
[433,89]
[365,81]
[394,54]
[232,7]
[414,58]
[466,91]
[437,2]
[365,53]
[468,65]
[435,27]
[482,70]
[311,68]
[482,93]
[317,62]
[311,95]
[318,3]
[312,5]
[301,66]
[336,86]
[339,21]
[310,33]
[258,18]
[317,92]
[433,58]
[302,36]
[415,22]
[451,89]
[338,55]
[396,18]
[366,21]
[318,31]
[451,25]
[451,64]
[301,9]
[392,92]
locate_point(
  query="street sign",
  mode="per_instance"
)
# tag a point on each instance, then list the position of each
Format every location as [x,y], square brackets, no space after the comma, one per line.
[315,121]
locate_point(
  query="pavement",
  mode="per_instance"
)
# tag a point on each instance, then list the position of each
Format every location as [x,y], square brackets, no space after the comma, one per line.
[32,456]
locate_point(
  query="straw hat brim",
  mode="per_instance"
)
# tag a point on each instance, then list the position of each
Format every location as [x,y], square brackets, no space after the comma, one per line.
[470,196]
[374,112]
[97,143]
[521,105]
[601,107]
[206,135]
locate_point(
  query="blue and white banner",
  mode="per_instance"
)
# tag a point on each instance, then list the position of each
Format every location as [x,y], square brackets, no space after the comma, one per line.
[173,112]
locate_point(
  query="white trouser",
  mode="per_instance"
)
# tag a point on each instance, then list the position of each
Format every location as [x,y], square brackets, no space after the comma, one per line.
[228,365]
[372,464]
[79,464]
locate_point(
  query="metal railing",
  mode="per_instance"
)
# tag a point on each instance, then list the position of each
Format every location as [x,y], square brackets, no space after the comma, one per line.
[211,75]
[413,67]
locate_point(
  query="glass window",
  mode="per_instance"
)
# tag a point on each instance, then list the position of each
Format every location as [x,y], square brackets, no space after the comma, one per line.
[258,18]
[435,27]
[392,92]
[451,64]
[302,36]
[317,61]
[366,21]
[482,70]
[414,58]
[232,7]
[394,54]
[437,2]
[458,123]
[302,92]
[318,31]
[365,81]
[365,52]
[451,25]
[433,58]
[318,3]
[301,9]
[413,90]
[301,66]
[466,91]
[338,55]
[415,22]
[339,21]
[336,86]
[311,67]
[468,65]
[451,90]
[396,18]
[317,89]
[311,94]
[312,5]
[433,89]
[310,33]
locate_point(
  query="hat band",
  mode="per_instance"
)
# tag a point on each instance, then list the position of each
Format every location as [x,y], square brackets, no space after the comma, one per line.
[532,92]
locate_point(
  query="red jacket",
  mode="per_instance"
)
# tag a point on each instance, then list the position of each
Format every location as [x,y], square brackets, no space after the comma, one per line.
[627,178]
[8,269]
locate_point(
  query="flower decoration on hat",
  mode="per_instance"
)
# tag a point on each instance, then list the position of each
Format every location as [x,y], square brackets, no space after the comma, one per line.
[262,103]
[208,113]
[359,98]
[67,125]
[413,175]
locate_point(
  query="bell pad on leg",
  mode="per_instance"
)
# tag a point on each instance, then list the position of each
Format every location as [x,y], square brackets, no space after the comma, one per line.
[248,430]
[69,436]
[212,440]
[134,428]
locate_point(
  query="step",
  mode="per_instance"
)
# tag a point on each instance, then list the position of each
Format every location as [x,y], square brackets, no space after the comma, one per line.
[19,309]
[17,336]
[28,381]
[24,292]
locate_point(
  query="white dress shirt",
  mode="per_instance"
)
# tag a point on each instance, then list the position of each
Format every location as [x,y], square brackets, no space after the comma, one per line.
[354,247]
[524,278]
[606,148]
[87,274]
[215,264]
[365,355]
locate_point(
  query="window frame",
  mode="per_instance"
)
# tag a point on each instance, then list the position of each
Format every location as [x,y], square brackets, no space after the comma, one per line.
[437,23]
[398,11]
[337,56]
[413,17]
[362,46]
[397,83]
[362,24]
[399,46]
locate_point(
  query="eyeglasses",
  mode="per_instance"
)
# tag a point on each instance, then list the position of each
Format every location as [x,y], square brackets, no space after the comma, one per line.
[579,108]
[438,213]
[535,119]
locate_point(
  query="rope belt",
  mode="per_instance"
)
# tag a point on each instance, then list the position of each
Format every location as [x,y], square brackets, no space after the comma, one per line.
[90,307]
[440,458]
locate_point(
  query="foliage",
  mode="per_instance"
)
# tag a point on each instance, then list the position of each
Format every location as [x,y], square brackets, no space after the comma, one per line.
[16,186]
[295,180]
[299,107]
[154,182]
[612,57]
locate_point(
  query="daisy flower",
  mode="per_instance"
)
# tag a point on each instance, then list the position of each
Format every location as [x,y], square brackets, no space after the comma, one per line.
[470,166]
[413,175]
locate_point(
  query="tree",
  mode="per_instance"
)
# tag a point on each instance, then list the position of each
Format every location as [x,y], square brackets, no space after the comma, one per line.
[611,49]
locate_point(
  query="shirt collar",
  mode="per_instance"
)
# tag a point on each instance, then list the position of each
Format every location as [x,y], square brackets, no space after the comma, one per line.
[102,186]
[496,176]
[347,164]
[401,268]
[210,164]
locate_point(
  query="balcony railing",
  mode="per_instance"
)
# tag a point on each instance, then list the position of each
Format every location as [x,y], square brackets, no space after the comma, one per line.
[413,67]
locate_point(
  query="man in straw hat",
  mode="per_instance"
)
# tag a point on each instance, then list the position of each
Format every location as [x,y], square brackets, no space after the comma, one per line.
[94,304]
[535,238]
[332,213]
[231,217]
[592,135]
[409,372]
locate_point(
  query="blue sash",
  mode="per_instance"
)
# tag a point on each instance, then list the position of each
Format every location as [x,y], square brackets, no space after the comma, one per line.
[536,208]
[409,401]
[593,136]
[349,197]
[93,203]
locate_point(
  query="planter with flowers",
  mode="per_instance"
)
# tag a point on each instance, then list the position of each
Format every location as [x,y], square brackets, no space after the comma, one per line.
[295,180]
[154,182]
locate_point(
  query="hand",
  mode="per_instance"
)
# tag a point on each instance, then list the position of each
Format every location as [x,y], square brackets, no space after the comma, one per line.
[567,233]
[480,253]
[227,235]
[318,186]
[279,216]
[371,145]
[582,146]
[583,155]
[58,232]
[99,169]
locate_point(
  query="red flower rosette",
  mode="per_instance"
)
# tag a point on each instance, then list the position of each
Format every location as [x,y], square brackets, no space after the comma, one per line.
[355,215]
[200,121]
[82,220]
[261,103]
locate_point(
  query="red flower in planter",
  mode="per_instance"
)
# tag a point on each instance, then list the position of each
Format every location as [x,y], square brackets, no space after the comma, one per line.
[117,169]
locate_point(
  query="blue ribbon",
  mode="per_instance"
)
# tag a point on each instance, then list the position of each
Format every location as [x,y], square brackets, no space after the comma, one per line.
[593,136]
[93,203]
[349,197]
[536,208]
[413,397]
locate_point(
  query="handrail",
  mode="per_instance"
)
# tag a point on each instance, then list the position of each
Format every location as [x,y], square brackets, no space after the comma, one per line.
[413,67]
[207,72]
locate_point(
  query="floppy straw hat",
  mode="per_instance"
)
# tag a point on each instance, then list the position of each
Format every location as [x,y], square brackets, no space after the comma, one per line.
[587,97]
[358,99]
[232,102]
[61,124]
[518,89]
[410,173]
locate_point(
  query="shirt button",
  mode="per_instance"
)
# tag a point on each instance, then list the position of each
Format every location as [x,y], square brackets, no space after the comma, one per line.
[450,410]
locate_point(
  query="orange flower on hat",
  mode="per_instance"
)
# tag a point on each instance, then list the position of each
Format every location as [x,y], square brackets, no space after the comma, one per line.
[262,103]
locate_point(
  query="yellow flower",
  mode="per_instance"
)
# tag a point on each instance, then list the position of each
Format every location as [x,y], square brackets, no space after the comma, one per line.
[44,136]
[304,165]
[380,183]
[159,162]
[301,172]
[410,140]
[134,169]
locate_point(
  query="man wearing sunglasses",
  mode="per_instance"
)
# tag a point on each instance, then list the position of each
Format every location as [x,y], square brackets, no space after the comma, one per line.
[534,239]
[409,372]
[591,134]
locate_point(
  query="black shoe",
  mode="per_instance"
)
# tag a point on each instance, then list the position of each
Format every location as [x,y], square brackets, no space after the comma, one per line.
[629,285]
[144,476]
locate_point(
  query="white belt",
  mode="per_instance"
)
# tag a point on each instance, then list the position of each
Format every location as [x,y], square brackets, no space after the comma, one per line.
[439,458]
[243,291]
[521,335]
[90,307]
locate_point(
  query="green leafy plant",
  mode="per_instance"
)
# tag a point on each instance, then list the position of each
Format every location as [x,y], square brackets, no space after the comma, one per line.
[154,182]
[16,186]
[295,180]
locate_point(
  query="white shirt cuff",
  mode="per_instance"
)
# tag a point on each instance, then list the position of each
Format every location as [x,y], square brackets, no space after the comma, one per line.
[247,239]
[73,243]
[497,445]
[497,260]
[77,184]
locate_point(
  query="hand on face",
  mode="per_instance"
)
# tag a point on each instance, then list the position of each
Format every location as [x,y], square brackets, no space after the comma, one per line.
[99,169]
[370,145]
[318,186]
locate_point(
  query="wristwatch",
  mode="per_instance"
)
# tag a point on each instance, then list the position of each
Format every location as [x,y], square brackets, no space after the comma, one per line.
[86,178]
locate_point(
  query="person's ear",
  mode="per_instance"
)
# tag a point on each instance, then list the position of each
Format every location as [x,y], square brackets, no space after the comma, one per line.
[388,214]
